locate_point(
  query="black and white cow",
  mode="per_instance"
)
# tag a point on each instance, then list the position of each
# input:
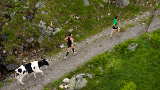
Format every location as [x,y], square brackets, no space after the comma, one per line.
[34,67]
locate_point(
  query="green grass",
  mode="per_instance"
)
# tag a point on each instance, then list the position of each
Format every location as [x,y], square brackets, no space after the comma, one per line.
[60,11]
[158,6]
[1,84]
[124,69]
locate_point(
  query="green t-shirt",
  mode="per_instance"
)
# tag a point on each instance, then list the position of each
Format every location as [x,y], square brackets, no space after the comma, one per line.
[115,21]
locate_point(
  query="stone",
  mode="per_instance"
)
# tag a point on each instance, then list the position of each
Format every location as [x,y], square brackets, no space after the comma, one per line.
[66,80]
[122,3]
[70,30]
[13,14]
[56,30]
[40,39]
[40,4]
[86,2]
[29,40]
[132,46]
[89,75]
[42,26]
[11,67]
[62,46]
[42,23]
[77,83]
[24,18]
[50,28]
[44,12]
[101,5]
[109,14]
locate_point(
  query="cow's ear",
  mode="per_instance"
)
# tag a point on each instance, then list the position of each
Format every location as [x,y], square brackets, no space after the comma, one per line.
[45,59]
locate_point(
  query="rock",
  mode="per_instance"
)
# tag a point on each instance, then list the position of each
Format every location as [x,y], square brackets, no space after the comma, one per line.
[63,86]
[29,40]
[86,2]
[70,30]
[44,12]
[66,80]
[132,46]
[101,5]
[40,4]
[50,28]
[62,46]
[13,14]
[106,1]
[89,75]
[24,18]
[40,39]
[122,3]
[42,24]
[77,83]
[56,30]
[109,14]
[11,67]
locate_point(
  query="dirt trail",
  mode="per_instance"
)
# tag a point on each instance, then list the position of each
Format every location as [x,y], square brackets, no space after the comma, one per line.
[86,50]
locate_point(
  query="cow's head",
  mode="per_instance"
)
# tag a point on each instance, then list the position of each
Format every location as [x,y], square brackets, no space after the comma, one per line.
[45,61]
[18,72]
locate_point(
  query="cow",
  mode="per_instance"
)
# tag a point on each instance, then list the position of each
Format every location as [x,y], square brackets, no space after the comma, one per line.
[34,67]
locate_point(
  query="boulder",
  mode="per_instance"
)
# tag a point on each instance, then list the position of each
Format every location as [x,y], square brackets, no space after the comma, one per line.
[132,46]
[40,4]
[86,2]
[11,67]
[76,82]
[122,3]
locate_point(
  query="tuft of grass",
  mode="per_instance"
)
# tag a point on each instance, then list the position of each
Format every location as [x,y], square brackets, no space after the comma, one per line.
[1,84]
[124,69]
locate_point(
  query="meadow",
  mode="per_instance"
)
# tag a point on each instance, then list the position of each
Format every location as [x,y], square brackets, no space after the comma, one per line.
[122,68]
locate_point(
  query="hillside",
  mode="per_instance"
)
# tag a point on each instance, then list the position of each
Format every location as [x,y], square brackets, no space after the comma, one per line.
[32,28]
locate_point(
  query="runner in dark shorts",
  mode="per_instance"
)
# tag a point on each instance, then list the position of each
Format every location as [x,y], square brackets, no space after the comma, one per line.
[70,43]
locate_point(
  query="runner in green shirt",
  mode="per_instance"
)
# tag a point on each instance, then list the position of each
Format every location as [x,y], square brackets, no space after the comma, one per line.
[115,27]
[115,21]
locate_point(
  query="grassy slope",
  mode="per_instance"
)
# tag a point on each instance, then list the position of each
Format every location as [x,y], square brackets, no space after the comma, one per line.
[60,11]
[122,69]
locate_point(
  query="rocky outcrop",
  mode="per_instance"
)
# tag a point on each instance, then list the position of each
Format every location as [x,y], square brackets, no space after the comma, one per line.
[122,3]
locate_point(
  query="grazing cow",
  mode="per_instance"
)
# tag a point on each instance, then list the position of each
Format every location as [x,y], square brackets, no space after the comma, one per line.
[34,67]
